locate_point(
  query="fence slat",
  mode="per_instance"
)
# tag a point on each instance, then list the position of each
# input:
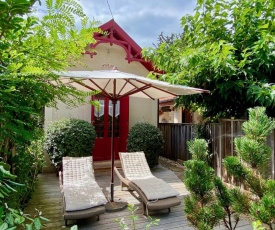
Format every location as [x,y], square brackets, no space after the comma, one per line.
[222,143]
[175,141]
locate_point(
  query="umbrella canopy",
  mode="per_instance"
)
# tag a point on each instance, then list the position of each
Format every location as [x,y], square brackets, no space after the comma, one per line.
[115,85]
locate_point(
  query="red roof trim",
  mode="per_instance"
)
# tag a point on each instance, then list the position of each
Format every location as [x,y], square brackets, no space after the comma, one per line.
[120,33]
[116,35]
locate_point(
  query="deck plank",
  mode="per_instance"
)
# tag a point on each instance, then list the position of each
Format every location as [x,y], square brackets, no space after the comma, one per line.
[47,198]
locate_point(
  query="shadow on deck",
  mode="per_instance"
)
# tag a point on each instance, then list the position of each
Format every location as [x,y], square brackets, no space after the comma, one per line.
[47,199]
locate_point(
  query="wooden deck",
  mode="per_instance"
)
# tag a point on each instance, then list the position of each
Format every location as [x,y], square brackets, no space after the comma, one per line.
[47,198]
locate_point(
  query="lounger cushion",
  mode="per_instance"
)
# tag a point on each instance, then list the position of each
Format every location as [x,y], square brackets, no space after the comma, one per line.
[135,165]
[155,189]
[79,187]
[83,196]
[77,170]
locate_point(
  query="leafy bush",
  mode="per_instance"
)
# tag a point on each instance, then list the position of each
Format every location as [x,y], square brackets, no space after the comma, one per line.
[12,218]
[28,162]
[148,138]
[69,137]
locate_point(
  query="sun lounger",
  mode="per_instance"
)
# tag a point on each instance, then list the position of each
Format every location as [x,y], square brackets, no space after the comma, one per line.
[155,194]
[82,197]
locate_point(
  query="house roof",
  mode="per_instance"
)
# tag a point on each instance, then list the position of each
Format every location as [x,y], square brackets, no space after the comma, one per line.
[116,35]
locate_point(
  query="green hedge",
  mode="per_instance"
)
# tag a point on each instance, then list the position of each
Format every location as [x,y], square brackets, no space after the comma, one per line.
[69,137]
[27,163]
[148,138]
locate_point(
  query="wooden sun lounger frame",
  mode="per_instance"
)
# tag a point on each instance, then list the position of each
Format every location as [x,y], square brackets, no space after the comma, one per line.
[147,205]
[79,214]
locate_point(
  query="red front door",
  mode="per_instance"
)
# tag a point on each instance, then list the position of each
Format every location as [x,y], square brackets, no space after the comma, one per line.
[102,121]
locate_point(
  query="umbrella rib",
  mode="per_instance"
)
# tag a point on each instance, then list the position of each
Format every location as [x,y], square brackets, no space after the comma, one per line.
[102,89]
[114,88]
[107,84]
[81,83]
[163,90]
[140,89]
[136,90]
[122,88]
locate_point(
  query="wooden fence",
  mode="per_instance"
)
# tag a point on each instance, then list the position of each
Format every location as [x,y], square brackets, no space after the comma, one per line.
[175,140]
[221,141]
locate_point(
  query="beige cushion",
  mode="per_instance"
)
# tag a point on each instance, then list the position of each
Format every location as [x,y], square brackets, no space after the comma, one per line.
[135,165]
[155,189]
[79,186]
[83,196]
[77,170]
[136,169]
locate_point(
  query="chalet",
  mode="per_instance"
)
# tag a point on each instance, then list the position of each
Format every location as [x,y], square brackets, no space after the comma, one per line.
[114,50]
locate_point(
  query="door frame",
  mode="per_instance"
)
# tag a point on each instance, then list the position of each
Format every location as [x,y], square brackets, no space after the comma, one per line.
[102,146]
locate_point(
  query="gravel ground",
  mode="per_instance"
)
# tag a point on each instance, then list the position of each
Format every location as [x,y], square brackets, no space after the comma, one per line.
[174,166]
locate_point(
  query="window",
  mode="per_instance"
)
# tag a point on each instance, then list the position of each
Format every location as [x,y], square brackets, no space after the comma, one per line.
[102,118]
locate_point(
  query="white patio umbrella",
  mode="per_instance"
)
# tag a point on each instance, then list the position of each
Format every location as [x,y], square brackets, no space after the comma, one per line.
[115,85]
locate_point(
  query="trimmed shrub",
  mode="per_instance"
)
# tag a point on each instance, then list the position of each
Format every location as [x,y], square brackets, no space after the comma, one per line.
[147,138]
[69,137]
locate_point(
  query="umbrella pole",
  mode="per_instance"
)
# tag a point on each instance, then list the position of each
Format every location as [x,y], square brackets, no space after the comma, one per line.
[114,102]
[115,204]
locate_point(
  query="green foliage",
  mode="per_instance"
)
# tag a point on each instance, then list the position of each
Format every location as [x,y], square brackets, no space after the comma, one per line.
[6,182]
[270,186]
[257,225]
[52,43]
[248,167]
[240,202]
[247,147]
[202,210]
[226,47]
[11,218]
[198,178]
[201,130]
[223,195]
[30,49]
[225,199]
[259,125]
[148,138]
[69,137]
[235,167]
[264,210]
[262,92]
[28,162]
[210,201]
[202,217]
[133,219]
[199,149]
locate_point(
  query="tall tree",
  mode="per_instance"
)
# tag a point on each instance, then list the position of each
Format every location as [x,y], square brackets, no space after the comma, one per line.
[30,50]
[226,47]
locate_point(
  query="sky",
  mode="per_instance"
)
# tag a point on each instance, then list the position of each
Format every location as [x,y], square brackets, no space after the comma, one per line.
[142,20]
